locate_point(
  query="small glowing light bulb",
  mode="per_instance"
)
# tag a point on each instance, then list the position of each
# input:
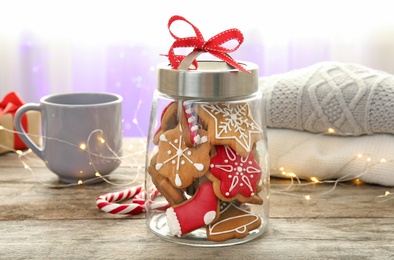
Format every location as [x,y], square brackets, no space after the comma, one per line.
[101,140]
[369,159]
[1,127]
[382,160]
[18,152]
[98,174]
[292,174]
[307,197]
[314,179]
[82,146]
[80,182]
[331,130]
[387,193]
[359,155]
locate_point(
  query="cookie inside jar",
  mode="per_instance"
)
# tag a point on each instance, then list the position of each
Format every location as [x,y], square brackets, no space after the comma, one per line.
[207,167]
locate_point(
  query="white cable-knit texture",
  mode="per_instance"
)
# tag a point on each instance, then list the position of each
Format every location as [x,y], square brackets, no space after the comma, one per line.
[349,98]
[356,101]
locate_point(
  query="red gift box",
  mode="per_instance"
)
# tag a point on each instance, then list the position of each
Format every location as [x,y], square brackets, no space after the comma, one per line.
[9,139]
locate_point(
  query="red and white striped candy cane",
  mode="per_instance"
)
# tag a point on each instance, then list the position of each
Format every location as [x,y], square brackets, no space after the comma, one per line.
[106,202]
[192,122]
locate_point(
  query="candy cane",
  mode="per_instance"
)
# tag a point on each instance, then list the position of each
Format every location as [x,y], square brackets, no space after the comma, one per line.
[105,202]
[192,122]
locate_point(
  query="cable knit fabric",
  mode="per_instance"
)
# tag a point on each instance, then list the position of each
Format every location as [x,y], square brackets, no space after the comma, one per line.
[349,98]
[357,102]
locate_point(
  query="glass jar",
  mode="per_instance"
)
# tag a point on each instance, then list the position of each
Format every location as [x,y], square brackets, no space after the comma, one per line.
[207,172]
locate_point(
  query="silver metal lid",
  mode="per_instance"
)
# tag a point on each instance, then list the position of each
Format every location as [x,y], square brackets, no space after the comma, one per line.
[212,80]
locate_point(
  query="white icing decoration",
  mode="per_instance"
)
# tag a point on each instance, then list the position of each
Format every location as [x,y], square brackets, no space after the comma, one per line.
[158,166]
[163,138]
[240,229]
[235,119]
[209,217]
[240,178]
[199,166]
[178,181]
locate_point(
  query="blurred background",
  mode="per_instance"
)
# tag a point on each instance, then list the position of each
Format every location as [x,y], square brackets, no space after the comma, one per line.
[114,46]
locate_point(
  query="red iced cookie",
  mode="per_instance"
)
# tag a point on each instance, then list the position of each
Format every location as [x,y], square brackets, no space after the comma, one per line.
[235,177]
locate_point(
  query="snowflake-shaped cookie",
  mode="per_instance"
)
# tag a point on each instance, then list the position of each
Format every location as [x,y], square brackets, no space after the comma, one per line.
[179,163]
[231,124]
[234,176]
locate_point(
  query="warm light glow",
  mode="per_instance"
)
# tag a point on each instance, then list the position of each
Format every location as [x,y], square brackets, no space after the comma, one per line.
[386,193]
[98,174]
[331,131]
[1,127]
[358,181]
[307,197]
[314,179]
[359,155]
[382,160]
[80,182]
[102,140]
[292,174]
[82,146]
[19,152]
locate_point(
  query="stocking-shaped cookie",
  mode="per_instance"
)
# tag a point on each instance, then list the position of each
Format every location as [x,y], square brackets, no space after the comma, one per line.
[199,211]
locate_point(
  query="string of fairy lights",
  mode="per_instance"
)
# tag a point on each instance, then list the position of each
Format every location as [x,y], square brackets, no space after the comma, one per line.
[139,170]
[297,182]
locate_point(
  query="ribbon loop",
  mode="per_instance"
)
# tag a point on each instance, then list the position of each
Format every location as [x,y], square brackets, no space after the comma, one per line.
[213,46]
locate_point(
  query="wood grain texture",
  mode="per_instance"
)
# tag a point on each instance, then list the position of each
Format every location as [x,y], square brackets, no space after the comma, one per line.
[40,222]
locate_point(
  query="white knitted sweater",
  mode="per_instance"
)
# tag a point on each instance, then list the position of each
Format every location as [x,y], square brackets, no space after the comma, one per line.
[357,102]
[349,98]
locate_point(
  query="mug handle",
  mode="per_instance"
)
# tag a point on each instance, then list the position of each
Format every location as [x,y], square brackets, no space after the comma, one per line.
[21,131]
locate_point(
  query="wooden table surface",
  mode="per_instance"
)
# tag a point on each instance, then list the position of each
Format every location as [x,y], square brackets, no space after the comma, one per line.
[39,220]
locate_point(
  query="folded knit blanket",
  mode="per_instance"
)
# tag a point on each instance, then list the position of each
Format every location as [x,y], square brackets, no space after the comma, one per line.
[353,103]
[348,98]
[369,158]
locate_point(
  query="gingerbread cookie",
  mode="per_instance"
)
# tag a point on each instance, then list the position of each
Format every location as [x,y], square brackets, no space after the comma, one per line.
[200,210]
[169,120]
[234,222]
[231,124]
[179,163]
[235,177]
[172,194]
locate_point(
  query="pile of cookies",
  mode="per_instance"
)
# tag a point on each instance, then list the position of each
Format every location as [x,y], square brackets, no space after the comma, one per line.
[207,167]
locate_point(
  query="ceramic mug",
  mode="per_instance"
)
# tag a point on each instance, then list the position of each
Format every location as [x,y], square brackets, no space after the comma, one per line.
[81,134]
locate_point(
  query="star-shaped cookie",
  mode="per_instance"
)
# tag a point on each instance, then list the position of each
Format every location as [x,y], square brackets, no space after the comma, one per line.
[231,124]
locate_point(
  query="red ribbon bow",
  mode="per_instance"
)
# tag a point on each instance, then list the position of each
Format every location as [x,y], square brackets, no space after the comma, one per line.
[10,103]
[213,45]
